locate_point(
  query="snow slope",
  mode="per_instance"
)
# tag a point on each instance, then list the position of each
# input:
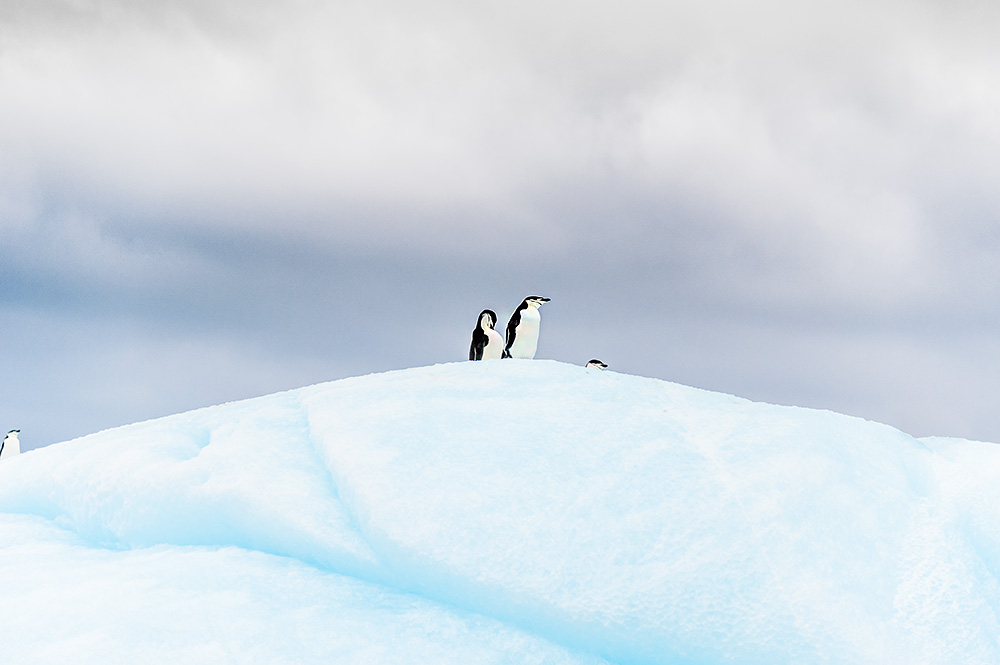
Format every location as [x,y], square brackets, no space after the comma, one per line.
[501,512]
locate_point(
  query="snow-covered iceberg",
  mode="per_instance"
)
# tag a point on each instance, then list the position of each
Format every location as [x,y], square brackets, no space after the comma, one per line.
[501,512]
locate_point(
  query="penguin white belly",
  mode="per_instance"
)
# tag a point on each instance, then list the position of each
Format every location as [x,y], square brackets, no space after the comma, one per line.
[11,447]
[526,334]
[494,345]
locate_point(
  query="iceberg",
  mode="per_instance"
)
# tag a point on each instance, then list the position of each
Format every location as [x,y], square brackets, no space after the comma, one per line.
[515,511]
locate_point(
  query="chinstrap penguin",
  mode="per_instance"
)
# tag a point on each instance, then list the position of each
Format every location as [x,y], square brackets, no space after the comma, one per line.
[594,363]
[10,446]
[522,329]
[487,344]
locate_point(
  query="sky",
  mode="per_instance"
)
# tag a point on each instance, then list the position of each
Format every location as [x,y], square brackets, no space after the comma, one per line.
[203,201]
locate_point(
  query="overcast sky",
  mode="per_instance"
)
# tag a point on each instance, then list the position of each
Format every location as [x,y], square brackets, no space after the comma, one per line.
[203,201]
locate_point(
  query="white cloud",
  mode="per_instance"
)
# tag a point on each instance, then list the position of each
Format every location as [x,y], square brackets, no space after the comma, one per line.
[280,114]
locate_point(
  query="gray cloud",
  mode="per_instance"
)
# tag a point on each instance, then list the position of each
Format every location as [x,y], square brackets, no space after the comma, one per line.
[792,202]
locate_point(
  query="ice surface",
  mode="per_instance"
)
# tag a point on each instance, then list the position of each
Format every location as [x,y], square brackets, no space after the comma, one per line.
[502,512]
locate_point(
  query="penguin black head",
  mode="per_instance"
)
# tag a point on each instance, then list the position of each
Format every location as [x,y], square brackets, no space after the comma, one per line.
[14,431]
[594,363]
[487,319]
[536,301]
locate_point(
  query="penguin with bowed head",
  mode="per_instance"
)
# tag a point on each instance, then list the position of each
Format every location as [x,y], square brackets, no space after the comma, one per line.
[487,344]
[522,329]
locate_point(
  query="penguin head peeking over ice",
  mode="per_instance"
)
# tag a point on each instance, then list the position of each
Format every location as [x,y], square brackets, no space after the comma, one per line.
[487,344]
[522,329]
[10,446]
[594,363]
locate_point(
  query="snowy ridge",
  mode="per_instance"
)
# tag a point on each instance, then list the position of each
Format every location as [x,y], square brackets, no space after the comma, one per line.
[502,512]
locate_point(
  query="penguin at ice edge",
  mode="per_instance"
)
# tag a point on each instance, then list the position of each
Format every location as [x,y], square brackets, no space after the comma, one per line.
[522,329]
[487,344]
[11,445]
[594,363]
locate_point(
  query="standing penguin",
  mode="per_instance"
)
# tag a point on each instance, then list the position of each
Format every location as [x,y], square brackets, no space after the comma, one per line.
[487,344]
[522,329]
[10,446]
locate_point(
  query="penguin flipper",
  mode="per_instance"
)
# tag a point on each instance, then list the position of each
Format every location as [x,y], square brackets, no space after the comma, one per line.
[512,324]
[478,344]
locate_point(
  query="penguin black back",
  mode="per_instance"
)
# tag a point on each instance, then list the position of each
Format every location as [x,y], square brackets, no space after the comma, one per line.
[512,324]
